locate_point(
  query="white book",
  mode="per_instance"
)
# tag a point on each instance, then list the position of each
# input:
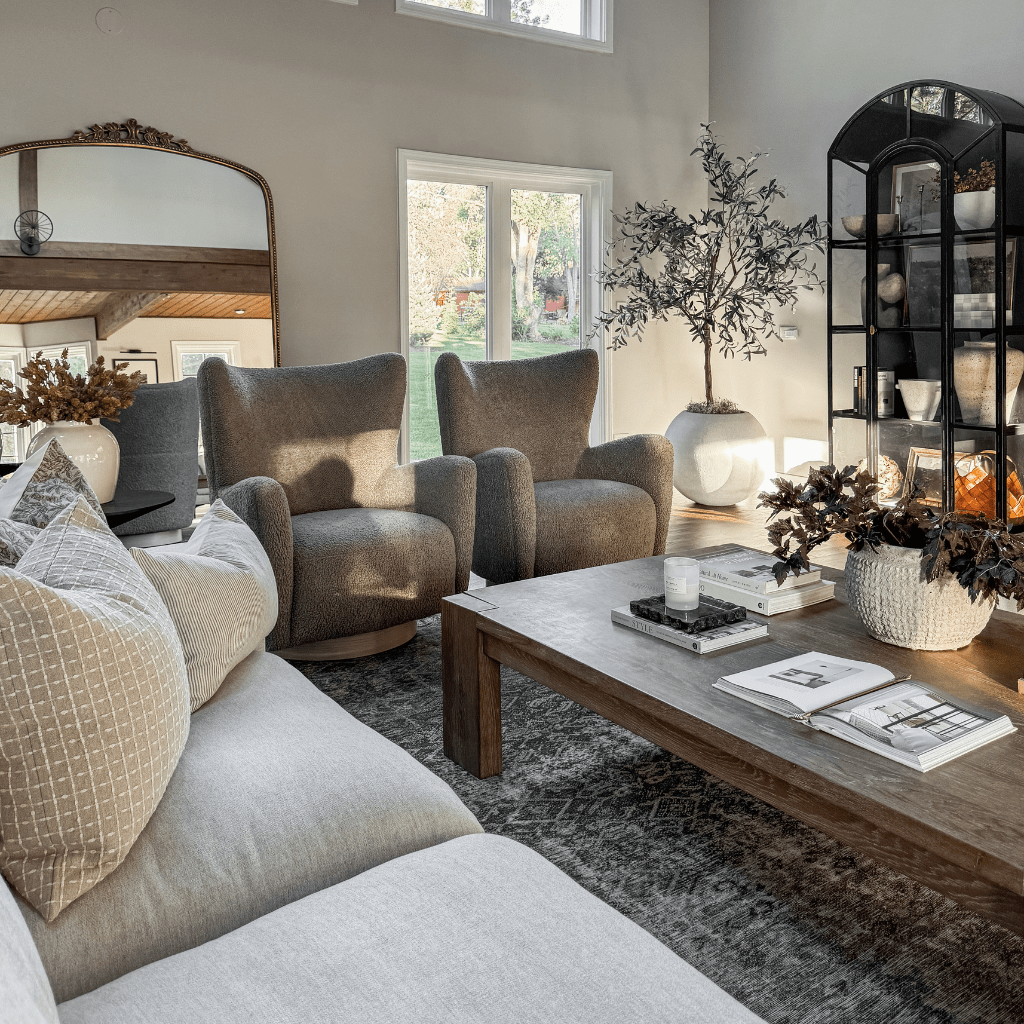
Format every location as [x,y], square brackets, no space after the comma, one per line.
[904,720]
[751,570]
[703,643]
[771,604]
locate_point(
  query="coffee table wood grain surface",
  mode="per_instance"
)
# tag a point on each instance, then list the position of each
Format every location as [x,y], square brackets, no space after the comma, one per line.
[958,829]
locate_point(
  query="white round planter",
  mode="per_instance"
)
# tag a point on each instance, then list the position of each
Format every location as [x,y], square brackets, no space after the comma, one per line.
[721,459]
[91,447]
[887,589]
[974,211]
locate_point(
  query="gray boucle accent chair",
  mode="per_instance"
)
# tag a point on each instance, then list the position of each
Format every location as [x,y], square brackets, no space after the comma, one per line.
[546,501]
[158,435]
[361,547]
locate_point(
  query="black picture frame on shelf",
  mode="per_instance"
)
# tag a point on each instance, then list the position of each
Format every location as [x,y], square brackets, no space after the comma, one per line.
[917,197]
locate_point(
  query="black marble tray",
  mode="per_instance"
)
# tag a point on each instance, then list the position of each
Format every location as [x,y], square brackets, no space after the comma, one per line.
[709,614]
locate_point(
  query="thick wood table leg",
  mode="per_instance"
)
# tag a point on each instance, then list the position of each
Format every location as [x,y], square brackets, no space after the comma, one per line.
[471,688]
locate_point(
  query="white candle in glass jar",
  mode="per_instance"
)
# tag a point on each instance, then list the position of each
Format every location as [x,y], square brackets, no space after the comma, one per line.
[682,584]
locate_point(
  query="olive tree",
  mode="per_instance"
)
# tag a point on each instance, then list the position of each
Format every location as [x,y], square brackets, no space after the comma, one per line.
[725,271]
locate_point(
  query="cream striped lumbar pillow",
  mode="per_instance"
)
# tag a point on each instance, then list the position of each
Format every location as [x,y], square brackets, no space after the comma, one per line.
[93,709]
[221,593]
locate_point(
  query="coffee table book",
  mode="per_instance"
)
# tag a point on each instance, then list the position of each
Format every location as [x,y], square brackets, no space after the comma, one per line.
[904,720]
[751,570]
[713,639]
[770,604]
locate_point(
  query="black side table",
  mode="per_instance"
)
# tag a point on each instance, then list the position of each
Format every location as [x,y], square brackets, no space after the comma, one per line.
[128,505]
[124,506]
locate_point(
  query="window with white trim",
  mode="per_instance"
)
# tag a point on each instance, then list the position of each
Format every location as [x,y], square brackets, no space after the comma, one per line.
[584,24]
[497,262]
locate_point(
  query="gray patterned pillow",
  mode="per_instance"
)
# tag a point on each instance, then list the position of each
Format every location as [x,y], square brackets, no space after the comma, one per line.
[43,486]
[15,540]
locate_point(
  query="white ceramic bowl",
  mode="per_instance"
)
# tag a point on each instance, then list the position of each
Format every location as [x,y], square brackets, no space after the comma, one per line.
[921,397]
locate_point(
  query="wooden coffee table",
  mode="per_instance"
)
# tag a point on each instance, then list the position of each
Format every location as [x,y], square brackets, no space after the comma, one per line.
[958,829]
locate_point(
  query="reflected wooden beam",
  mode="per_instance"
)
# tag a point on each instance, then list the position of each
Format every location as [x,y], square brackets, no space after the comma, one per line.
[123,309]
[163,253]
[28,181]
[28,274]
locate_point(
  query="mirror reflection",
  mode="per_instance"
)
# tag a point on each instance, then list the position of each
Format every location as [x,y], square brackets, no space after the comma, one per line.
[142,255]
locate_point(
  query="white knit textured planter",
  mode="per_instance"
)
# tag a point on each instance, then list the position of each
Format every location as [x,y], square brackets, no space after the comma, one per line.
[888,591]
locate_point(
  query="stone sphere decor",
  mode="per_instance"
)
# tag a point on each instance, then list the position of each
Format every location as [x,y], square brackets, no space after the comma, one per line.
[720,459]
[974,377]
[887,589]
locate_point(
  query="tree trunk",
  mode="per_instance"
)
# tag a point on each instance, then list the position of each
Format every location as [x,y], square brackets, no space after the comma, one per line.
[524,254]
[570,291]
[708,392]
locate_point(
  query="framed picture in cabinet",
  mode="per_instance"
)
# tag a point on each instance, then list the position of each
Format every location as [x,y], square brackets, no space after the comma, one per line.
[924,472]
[917,197]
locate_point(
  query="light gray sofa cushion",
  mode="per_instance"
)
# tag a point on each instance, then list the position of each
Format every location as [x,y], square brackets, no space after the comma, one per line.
[477,929]
[581,523]
[380,566]
[25,994]
[278,794]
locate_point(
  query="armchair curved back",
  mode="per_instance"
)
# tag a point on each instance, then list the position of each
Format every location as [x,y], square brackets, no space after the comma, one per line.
[541,407]
[327,434]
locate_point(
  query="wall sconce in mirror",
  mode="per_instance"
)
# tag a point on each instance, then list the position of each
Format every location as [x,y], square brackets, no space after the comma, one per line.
[32,228]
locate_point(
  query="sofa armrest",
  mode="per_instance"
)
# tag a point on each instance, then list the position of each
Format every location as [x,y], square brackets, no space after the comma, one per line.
[445,489]
[505,545]
[260,502]
[643,460]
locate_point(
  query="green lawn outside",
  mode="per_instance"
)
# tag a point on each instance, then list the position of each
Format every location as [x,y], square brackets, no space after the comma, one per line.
[424,436]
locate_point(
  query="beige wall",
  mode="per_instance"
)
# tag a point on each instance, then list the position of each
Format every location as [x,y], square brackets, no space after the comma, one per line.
[785,76]
[318,96]
[153,336]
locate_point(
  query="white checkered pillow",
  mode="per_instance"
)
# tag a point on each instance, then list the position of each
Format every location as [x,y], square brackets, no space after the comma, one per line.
[222,595]
[93,709]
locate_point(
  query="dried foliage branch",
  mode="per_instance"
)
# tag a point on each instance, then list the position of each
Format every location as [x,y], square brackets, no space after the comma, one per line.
[980,553]
[52,392]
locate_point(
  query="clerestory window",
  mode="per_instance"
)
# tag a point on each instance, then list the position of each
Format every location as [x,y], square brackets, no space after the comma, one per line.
[584,24]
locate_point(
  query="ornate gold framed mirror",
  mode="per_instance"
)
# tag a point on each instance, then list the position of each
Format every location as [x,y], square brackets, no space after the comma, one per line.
[123,241]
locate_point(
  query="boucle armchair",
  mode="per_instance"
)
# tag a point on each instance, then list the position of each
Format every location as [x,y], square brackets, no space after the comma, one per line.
[361,547]
[159,440]
[547,502]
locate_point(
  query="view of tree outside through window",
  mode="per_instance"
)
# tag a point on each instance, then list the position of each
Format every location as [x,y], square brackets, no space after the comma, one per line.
[447,285]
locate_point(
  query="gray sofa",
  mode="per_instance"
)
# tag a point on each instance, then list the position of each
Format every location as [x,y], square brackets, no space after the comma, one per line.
[300,867]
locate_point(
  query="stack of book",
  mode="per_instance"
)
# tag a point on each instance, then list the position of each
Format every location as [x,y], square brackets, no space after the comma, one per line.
[709,627]
[745,577]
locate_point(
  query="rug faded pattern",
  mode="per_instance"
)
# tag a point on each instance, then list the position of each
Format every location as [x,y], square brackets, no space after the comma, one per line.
[798,927]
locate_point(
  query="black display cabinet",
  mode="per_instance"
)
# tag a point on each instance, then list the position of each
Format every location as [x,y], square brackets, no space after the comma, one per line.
[926,243]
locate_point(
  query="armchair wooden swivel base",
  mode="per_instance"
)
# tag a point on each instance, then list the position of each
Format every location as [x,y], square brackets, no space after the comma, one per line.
[546,501]
[361,547]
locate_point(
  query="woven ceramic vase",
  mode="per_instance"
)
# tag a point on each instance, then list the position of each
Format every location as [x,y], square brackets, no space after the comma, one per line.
[888,591]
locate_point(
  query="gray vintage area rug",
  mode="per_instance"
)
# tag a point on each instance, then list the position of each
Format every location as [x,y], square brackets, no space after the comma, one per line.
[796,926]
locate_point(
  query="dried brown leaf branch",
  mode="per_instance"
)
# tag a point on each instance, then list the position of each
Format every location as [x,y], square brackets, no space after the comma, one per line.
[52,392]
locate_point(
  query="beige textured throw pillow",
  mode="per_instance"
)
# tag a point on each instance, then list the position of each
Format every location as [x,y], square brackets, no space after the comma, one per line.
[221,593]
[93,709]
[43,486]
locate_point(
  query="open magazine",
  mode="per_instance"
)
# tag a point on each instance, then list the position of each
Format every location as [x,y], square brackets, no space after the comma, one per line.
[906,721]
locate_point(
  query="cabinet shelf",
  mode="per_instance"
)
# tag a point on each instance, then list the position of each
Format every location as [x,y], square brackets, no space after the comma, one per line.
[877,159]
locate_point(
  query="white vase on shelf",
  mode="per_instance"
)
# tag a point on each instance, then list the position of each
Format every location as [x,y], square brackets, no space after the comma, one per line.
[91,447]
[974,377]
[974,211]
